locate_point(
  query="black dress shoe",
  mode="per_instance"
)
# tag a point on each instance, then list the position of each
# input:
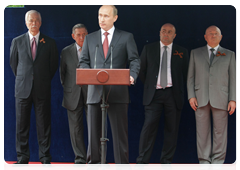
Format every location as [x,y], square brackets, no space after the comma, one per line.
[107,165]
[46,164]
[20,163]
[79,164]
[139,165]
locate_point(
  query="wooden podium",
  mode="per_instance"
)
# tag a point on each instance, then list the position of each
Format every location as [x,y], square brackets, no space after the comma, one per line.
[103,77]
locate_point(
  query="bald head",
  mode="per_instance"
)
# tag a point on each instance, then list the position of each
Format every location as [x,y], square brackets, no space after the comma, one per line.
[167,33]
[170,26]
[213,27]
[213,36]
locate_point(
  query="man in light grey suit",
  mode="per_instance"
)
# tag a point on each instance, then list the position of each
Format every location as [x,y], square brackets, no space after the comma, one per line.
[212,88]
[75,96]
[122,47]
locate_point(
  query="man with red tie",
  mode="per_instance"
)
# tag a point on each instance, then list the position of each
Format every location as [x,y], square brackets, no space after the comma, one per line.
[102,44]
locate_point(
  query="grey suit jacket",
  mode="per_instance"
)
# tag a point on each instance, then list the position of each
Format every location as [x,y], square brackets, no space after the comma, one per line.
[40,71]
[215,84]
[68,64]
[124,51]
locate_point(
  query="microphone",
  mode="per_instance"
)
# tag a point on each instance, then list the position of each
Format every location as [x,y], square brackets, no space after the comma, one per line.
[96,55]
[111,57]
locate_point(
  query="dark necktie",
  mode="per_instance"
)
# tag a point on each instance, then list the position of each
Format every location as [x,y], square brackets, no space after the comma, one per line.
[163,77]
[33,48]
[105,44]
[212,56]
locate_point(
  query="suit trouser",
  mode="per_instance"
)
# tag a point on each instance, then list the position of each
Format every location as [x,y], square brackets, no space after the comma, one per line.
[117,114]
[76,129]
[211,152]
[42,109]
[162,100]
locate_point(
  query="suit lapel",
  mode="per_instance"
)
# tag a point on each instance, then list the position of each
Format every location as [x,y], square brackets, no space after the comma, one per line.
[206,54]
[27,44]
[173,59]
[216,58]
[39,46]
[99,39]
[157,54]
[115,38]
[74,55]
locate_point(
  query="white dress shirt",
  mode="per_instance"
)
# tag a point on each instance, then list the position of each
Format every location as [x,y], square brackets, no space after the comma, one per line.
[214,52]
[169,75]
[110,35]
[78,51]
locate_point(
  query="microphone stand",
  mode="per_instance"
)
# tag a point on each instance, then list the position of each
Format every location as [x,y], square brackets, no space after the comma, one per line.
[103,140]
[104,107]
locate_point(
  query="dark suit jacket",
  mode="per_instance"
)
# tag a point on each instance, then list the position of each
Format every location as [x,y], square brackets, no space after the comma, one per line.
[124,51]
[150,60]
[68,64]
[41,70]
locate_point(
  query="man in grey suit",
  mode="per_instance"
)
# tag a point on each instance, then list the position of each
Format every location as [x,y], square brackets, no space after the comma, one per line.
[34,61]
[212,88]
[75,96]
[102,44]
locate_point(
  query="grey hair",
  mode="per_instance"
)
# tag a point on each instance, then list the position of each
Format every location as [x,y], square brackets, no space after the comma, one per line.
[77,26]
[30,12]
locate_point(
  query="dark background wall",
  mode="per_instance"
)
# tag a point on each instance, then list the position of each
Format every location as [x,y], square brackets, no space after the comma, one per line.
[144,22]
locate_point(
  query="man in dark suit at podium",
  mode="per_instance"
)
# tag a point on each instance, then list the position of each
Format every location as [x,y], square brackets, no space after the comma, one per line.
[34,61]
[164,67]
[102,44]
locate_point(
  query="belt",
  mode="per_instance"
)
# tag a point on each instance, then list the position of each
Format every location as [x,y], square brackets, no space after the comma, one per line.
[165,88]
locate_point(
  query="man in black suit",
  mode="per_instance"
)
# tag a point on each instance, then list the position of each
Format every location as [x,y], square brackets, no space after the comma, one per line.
[34,61]
[109,41]
[75,96]
[164,67]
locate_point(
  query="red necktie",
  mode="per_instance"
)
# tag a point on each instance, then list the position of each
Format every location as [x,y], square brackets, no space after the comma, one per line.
[105,44]
[33,48]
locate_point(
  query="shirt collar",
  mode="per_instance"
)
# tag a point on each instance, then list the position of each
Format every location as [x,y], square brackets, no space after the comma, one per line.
[111,31]
[36,36]
[78,47]
[162,45]
[215,48]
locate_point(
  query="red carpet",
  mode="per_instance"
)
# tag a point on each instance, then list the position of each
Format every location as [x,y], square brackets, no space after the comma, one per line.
[65,166]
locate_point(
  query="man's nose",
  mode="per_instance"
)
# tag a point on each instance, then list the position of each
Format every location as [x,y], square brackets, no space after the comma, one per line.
[101,18]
